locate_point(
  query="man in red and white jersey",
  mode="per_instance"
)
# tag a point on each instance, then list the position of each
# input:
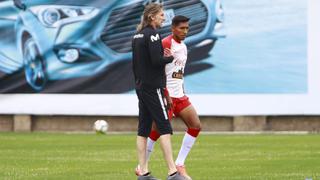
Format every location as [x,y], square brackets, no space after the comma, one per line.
[178,103]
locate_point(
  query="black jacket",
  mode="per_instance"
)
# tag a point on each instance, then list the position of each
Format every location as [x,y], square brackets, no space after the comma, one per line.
[148,61]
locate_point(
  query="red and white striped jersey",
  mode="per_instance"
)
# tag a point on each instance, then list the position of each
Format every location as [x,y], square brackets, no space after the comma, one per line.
[175,69]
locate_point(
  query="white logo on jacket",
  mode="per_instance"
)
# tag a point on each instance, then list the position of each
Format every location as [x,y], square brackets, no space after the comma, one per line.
[138,36]
[155,38]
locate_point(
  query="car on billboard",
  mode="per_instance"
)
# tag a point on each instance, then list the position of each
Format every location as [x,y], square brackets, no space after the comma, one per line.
[62,39]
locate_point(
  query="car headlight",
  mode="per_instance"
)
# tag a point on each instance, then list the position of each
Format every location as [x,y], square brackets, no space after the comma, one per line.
[68,55]
[50,16]
[53,16]
[219,11]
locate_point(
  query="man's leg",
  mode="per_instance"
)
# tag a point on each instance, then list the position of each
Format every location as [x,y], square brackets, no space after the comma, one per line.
[165,144]
[155,105]
[144,128]
[153,137]
[151,140]
[166,147]
[160,116]
[141,147]
[192,121]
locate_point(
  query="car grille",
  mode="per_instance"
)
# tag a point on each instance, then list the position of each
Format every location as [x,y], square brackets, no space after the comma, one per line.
[122,22]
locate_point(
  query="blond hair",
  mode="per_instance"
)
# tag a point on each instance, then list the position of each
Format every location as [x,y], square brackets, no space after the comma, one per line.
[150,10]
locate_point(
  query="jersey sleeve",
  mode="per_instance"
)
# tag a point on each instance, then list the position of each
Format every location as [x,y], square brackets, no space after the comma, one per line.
[166,42]
[155,50]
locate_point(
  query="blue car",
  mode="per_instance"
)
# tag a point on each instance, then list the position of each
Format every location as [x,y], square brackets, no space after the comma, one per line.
[62,39]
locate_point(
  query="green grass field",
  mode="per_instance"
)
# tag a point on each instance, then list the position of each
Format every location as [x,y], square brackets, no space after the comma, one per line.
[90,156]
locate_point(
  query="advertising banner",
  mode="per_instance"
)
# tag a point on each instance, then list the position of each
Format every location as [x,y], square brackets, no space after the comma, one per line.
[75,56]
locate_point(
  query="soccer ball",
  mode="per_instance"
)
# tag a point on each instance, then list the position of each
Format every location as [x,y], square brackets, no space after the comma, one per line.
[100,126]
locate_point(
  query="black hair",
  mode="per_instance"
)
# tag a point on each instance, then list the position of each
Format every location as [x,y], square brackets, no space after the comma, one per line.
[179,19]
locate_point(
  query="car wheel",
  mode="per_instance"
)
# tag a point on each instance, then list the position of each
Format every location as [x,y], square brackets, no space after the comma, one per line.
[34,65]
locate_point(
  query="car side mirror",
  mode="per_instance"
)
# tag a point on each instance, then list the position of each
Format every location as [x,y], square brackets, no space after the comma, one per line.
[20,5]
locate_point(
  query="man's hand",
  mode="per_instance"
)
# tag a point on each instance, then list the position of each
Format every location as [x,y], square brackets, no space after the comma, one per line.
[169,102]
[167,52]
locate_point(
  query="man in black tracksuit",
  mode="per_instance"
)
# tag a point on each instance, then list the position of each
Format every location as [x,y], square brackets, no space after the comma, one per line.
[149,72]
[149,60]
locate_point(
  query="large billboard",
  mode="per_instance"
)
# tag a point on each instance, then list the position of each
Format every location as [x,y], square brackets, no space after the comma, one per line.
[74,57]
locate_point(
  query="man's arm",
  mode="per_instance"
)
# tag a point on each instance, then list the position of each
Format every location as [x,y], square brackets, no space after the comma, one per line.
[155,46]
